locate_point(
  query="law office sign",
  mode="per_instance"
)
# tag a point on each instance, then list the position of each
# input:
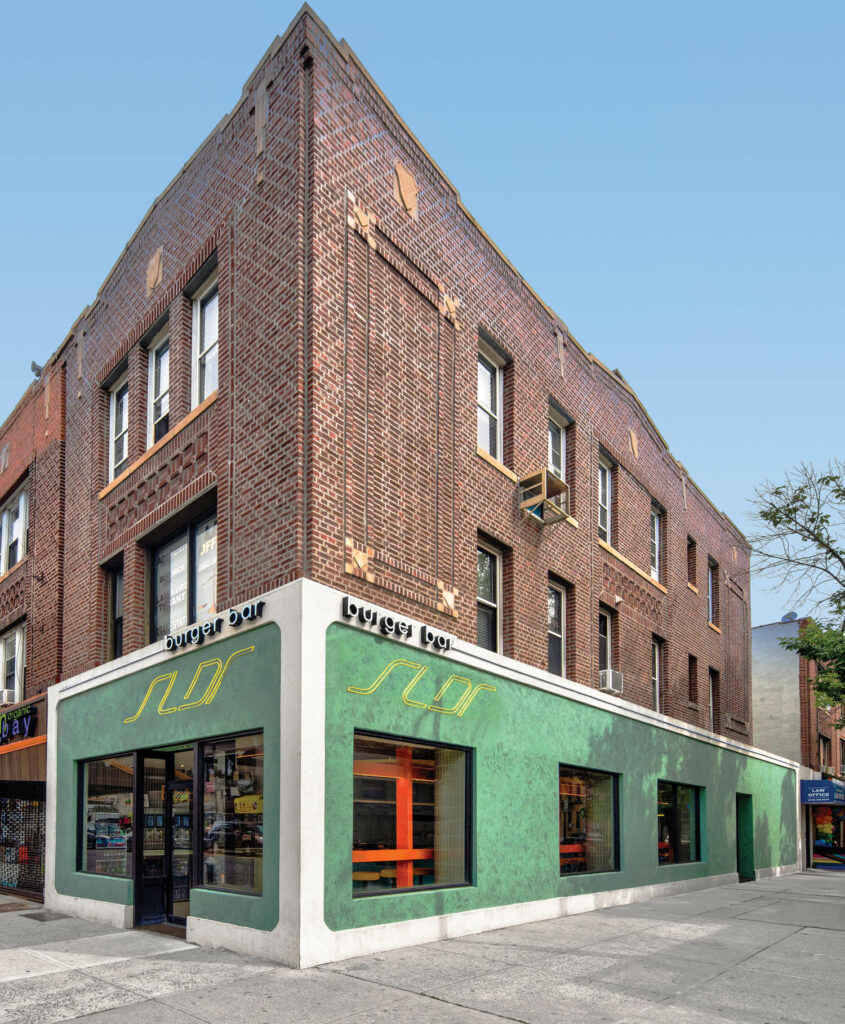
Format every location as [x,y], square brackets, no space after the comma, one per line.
[822,791]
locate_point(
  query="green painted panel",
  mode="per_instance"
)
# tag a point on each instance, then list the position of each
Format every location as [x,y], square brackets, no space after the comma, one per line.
[519,736]
[219,688]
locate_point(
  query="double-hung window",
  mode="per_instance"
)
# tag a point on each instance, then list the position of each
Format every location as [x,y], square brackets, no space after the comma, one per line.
[185,578]
[605,640]
[713,591]
[13,530]
[118,428]
[557,444]
[557,630]
[488,602]
[158,415]
[205,335]
[655,531]
[656,671]
[489,402]
[605,484]
[12,655]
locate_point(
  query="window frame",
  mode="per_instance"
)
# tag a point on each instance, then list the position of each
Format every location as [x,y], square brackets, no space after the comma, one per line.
[82,816]
[497,590]
[655,540]
[202,295]
[605,613]
[712,591]
[557,420]
[120,386]
[713,690]
[493,361]
[560,638]
[189,531]
[695,855]
[18,634]
[17,501]
[617,843]
[605,466]
[656,672]
[692,561]
[469,812]
[156,345]
[117,582]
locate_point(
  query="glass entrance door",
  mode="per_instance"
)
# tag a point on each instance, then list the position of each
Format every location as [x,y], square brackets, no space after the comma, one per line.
[180,801]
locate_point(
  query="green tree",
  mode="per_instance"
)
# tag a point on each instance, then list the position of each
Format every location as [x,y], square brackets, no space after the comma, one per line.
[800,547]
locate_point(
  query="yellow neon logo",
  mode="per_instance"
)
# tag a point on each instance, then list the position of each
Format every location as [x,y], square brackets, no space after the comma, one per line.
[217,668]
[469,694]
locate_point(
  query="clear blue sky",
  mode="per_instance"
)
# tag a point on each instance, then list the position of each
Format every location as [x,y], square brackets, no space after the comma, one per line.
[692,234]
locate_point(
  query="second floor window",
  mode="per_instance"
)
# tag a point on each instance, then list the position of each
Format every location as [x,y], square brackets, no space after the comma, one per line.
[656,673]
[557,631]
[118,428]
[488,599]
[205,336]
[13,531]
[185,578]
[489,402]
[605,483]
[12,658]
[605,637]
[159,391]
[116,600]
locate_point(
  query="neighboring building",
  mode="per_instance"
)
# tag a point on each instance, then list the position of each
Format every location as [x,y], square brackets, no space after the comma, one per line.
[373,579]
[789,722]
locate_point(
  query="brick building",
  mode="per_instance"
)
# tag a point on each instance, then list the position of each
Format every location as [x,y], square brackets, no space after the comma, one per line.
[790,723]
[317,420]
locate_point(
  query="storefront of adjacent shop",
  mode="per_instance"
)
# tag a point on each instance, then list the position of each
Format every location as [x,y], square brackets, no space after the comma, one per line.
[824,804]
[413,786]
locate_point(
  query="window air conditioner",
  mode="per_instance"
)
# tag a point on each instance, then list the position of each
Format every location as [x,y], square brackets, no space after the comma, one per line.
[7,697]
[610,680]
[828,769]
[544,496]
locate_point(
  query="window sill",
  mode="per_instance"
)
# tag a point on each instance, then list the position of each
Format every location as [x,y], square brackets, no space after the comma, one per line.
[148,454]
[626,561]
[692,587]
[496,464]
[14,568]
[714,628]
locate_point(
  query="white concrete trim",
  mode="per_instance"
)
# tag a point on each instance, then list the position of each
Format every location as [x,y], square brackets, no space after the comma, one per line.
[776,872]
[115,915]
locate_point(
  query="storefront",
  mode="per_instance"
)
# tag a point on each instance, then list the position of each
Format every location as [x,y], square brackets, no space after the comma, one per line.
[23,800]
[332,779]
[824,801]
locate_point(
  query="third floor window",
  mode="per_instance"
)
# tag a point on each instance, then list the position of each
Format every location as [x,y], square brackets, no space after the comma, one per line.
[118,428]
[205,335]
[158,418]
[605,484]
[13,530]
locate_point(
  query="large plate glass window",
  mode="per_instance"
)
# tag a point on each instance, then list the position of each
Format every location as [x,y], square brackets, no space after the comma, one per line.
[185,578]
[588,821]
[107,816]
[233,814]
[205,337]
[159,390]
[410,815]
[14,514]
[118,428]
[678,827]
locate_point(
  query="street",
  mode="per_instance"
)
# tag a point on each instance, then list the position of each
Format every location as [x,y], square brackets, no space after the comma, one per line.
[759,953]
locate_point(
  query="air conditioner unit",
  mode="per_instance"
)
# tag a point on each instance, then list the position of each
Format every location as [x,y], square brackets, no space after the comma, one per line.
[544,496]
[610,680]
[7,697]
[828,769]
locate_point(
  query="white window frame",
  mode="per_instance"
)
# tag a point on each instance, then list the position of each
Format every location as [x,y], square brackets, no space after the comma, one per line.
[560,637]
[655,541]
[18,501]
[160,340]
[497,604]
[495,362]
[208,286]
[114,391]
[557,421]
[609,617]
[605,467]
[18,636]
[656,680]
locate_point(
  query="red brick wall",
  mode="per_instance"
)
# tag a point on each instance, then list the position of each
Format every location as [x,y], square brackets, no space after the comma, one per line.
[345,417]
[816,721]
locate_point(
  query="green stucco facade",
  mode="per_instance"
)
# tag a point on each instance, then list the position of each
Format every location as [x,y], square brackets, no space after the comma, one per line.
[218,689]
[519,736]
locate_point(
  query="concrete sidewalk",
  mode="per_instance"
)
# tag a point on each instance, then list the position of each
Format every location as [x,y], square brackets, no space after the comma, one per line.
[757,953]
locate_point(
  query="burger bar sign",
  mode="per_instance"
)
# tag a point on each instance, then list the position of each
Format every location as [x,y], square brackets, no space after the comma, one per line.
[393,625]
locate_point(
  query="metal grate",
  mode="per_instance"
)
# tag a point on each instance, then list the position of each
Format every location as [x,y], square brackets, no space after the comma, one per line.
[23,810]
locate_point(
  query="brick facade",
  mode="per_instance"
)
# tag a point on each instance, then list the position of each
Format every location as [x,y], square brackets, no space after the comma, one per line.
[341,442]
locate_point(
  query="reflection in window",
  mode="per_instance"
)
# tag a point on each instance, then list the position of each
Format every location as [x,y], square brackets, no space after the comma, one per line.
[409,815]
[588,816]
[233,814]
[677,823]
[107,816]
[185,578]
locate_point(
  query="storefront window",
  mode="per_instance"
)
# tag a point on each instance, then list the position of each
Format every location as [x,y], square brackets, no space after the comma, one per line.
[410,815]
[233,814]
[588,816]
[677,823]
[107,815]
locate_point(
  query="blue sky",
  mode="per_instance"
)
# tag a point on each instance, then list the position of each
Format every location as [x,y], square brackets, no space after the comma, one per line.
[669,179]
